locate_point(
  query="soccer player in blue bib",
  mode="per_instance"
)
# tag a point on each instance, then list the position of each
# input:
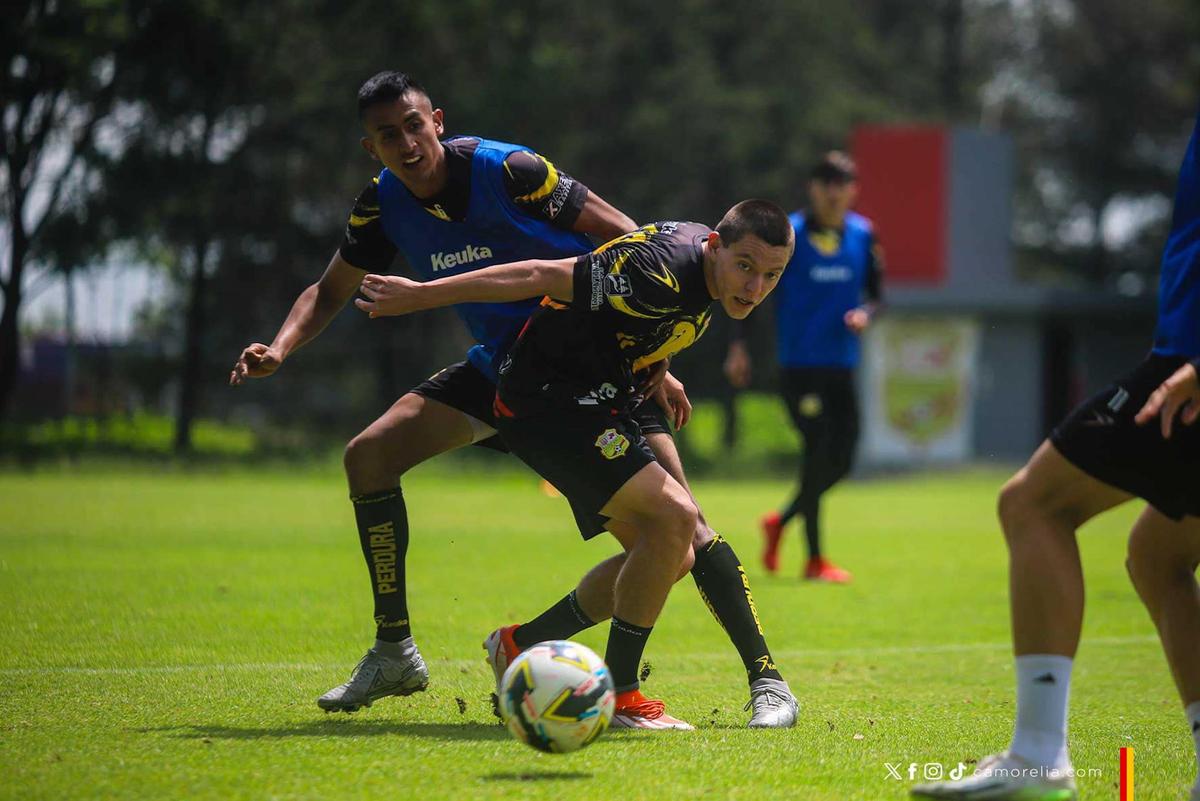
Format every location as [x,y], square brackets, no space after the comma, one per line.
[454,206]
[1136,438]
[827,297]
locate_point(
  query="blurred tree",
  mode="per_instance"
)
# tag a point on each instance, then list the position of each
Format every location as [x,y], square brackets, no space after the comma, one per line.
[62,62]
[1101,95]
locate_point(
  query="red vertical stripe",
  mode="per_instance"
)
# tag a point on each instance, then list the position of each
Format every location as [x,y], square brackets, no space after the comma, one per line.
[1126,793]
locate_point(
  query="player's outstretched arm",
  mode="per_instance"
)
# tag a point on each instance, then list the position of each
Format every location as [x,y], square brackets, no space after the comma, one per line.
[1181,391]
[311,312]
[388,295]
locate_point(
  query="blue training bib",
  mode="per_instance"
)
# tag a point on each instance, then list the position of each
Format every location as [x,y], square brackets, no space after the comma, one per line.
[824,280]
[495,231]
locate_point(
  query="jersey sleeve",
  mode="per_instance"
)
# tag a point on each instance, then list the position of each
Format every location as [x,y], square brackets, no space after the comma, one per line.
[364,243]
[543,191]
[627,277]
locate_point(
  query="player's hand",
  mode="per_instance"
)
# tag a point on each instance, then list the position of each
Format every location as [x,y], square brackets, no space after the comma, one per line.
[673,400]
[857,320]
[256,361]
[1179,393]
[737,364]
[388,295]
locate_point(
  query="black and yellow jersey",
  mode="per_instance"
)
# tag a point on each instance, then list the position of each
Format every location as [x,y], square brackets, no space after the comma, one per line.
[535,185]
[638,299]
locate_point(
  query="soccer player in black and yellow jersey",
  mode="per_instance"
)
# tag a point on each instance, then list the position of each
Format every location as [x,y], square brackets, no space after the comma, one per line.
[451,206]
[566,399]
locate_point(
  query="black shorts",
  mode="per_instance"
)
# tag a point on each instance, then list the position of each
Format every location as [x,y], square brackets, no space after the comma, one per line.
[820,394]
[1101,438]
[461,386]
[586,455]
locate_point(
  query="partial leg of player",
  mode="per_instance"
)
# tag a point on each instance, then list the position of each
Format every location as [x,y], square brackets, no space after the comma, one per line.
[414,429]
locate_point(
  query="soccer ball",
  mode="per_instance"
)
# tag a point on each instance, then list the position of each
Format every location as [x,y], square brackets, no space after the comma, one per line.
[557,696]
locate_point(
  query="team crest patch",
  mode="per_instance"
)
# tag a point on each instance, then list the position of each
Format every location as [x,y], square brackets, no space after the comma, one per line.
[617,286]
[811,406]
[612,444]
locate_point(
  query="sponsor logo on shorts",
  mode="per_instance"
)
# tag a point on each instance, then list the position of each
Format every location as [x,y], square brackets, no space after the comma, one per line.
[1118,400]
[612,443]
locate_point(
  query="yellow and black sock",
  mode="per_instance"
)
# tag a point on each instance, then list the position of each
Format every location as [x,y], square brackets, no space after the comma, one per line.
[383,532]
[560,622]
[725,588]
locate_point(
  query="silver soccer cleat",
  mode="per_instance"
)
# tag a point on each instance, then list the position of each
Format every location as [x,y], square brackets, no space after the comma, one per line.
[774,705]
[377,676]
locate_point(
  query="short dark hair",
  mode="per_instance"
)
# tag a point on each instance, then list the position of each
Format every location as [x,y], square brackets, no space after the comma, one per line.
[386,87]
[834,167]
[764,219]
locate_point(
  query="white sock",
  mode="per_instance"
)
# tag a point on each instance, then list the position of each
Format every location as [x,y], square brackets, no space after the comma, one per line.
[1193,716]
[1043,686]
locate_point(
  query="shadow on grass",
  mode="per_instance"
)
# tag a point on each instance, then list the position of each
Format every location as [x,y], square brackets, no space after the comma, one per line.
[339,728]
[536,776]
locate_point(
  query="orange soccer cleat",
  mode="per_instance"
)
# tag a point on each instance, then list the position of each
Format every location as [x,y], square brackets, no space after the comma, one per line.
[821,569]
[501,651]
[636,711]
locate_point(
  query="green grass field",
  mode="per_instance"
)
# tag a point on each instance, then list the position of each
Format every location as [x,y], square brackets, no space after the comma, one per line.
[165,635]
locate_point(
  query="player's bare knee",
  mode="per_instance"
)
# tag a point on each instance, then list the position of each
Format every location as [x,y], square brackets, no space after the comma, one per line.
[358,454]
[677,521]
[1022,503]
[1013,505]
[366,463]
[1154,569]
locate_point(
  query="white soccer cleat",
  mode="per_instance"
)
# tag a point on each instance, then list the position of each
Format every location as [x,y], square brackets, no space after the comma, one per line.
[1005,777]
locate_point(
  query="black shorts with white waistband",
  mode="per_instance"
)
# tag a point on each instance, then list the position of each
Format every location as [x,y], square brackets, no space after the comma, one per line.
[1101,438]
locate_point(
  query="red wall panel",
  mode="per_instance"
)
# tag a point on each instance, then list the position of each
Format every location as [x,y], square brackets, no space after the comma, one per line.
[903,176]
